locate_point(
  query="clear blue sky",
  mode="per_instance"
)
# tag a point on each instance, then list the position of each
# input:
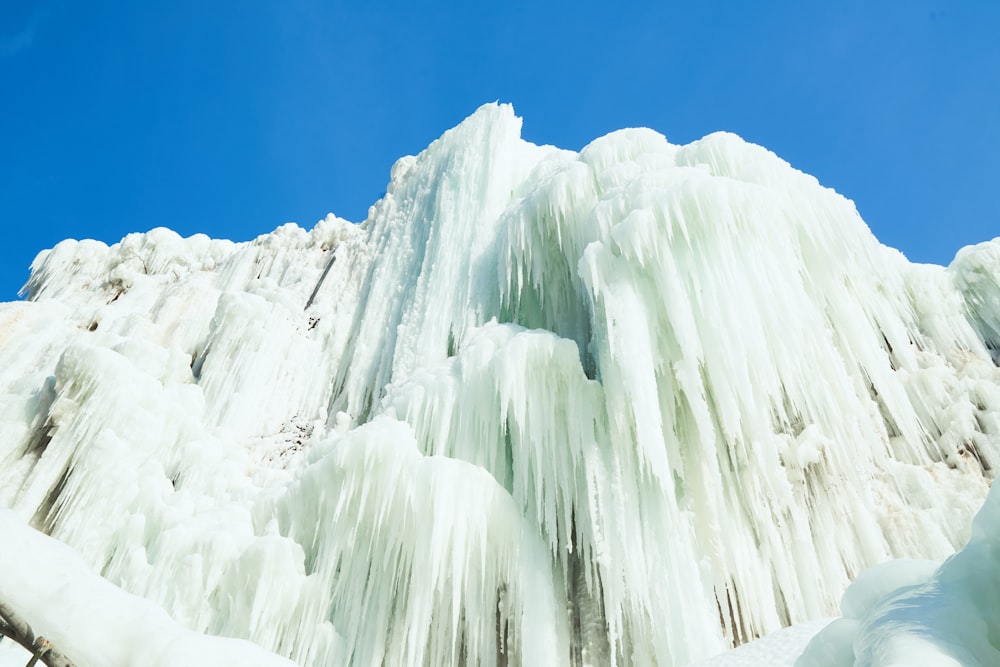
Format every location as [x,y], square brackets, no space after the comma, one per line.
[232,117]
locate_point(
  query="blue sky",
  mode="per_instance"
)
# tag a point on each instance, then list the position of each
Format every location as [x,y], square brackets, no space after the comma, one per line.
[232,117]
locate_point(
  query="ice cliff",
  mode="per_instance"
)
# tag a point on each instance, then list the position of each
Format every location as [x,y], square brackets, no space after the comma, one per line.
[627,406]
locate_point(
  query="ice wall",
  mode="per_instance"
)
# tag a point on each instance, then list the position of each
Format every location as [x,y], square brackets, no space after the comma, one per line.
[630,405]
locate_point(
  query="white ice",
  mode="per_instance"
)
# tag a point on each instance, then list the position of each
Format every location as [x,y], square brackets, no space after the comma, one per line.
[632,405]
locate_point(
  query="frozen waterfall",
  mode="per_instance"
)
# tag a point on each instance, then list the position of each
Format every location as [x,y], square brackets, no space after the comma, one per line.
[628,406]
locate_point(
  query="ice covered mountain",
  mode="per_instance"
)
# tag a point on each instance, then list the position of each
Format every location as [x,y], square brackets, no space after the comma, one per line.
[627,406]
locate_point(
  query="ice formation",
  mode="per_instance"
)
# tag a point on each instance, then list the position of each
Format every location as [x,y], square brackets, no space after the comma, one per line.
[46,579]
[916,613]
[632,405]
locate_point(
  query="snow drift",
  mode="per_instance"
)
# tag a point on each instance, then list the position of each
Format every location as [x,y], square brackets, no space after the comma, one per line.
[632,405]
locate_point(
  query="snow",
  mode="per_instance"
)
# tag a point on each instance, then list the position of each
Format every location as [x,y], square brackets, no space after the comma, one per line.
[632,405]
[778,649]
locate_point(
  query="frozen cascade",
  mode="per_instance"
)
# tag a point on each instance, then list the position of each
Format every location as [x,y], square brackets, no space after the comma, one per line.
[632,405]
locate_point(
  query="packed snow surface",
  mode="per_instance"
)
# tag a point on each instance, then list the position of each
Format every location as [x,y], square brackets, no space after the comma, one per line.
[628,406]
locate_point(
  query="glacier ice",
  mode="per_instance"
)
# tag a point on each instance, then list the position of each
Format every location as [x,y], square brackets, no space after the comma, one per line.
[629,405]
